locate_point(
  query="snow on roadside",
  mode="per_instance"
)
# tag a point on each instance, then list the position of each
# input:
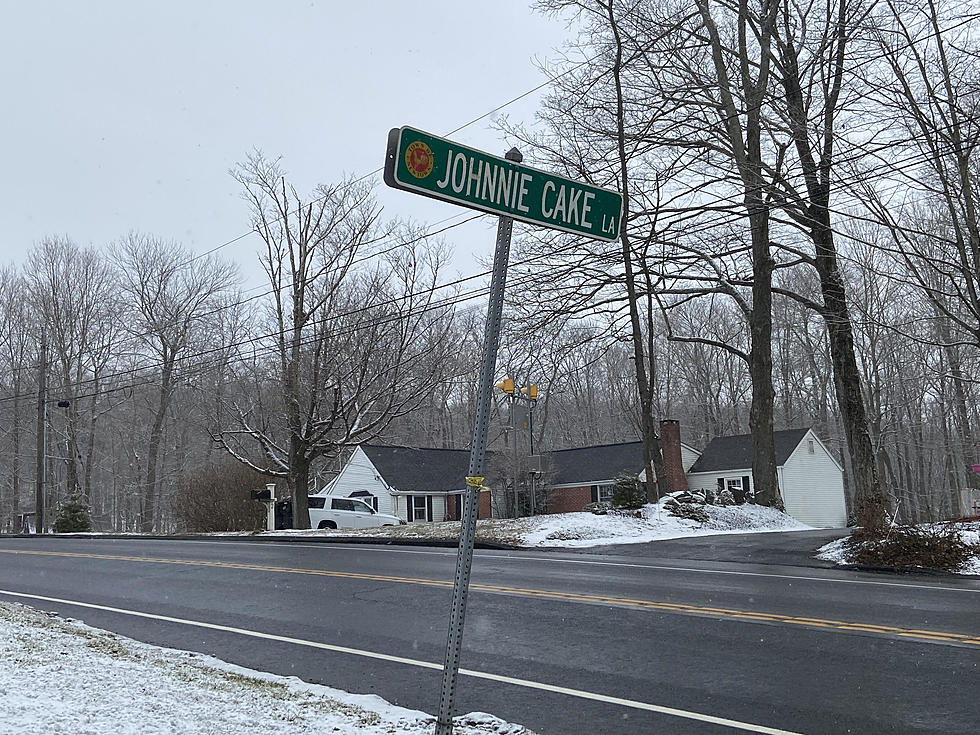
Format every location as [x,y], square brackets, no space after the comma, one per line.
[61,676]
[654,523]
[568,530]
[837,552]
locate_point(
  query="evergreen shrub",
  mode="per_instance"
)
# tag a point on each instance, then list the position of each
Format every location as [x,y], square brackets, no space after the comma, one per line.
[628,493]
[73,516]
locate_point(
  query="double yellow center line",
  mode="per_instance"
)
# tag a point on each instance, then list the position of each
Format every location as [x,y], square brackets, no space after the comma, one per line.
[931,636]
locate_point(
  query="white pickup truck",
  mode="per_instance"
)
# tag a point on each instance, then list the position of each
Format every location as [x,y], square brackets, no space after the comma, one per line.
[330,512]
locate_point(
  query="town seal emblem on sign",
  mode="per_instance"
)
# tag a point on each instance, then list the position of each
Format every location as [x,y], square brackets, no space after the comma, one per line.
[419,159]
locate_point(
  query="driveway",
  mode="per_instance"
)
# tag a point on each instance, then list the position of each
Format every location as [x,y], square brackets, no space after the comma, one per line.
[791,548]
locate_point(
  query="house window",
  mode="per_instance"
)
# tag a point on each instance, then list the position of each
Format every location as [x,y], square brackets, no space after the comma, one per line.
[809,446]
[734,485]
[604,493]
[419,508]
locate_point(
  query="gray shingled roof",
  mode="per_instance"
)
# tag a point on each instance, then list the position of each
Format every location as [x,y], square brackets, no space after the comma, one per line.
[735,452]
[415,470]
[604,462]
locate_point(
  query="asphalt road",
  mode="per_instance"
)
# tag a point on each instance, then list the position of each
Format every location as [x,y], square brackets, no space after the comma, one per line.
[561,642]
[794,548]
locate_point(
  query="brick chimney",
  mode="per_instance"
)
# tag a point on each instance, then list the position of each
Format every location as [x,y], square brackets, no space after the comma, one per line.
[670,446]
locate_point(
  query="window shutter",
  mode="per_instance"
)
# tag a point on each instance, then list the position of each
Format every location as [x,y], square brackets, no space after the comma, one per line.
[428,507]
[595,493]
[746,486]
[410,507]
[721,484]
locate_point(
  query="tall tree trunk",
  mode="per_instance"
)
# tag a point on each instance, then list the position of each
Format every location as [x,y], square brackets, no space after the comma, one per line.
[960,411]
[148,521]
[15,469]
[298,481]
[299,463]
[72,483]
[653,461]
[747,154]
[870,501]
[94,502]
[760,327]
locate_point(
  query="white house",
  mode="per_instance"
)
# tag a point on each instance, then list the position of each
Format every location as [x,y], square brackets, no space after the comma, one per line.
[418,484]
[414,484]
[810,478]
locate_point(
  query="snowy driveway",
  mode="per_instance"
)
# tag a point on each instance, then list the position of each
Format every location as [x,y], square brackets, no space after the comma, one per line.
[789,548]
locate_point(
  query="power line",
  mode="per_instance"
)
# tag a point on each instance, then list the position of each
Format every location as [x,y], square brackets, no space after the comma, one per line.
[378,170]
[466,296]
[718,200]
[465,125]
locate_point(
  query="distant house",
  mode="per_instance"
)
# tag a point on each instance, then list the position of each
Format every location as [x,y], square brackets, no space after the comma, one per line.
[810,478]
[586,474]
[414,484]
[418,484]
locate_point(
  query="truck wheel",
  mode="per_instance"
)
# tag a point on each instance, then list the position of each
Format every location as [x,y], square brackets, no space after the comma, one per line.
[326,524]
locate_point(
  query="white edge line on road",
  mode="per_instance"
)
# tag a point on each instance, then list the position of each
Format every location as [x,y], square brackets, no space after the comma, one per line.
[744,726]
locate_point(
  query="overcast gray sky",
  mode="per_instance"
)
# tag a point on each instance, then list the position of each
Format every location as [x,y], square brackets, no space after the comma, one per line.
[127,115]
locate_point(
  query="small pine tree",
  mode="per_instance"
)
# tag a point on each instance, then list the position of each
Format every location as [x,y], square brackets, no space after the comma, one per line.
[73,517]
[627,493]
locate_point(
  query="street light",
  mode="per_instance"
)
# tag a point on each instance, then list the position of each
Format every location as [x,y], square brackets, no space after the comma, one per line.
[528,395]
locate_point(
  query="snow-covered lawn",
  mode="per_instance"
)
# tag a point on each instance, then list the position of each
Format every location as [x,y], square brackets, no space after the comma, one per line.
[589,529]
[837,551]
[60,676]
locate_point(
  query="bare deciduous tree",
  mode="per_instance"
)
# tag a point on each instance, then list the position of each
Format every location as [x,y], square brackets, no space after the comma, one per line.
[168,293]
[355,347]
[17,348]
[75,293]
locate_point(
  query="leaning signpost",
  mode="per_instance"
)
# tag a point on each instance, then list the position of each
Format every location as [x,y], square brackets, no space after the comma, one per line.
[435,167]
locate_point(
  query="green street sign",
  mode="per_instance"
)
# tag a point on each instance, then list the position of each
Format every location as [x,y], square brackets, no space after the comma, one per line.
[436,167]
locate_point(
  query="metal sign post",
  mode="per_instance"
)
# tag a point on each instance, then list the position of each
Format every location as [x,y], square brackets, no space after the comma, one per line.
[474,480]
[426,164]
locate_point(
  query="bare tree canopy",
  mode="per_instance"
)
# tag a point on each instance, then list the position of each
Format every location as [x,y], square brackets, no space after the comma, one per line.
[355,346]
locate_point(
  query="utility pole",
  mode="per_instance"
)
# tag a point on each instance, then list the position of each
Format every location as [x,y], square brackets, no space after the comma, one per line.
[515,462]
[42,422]
[530,394]
[510,437]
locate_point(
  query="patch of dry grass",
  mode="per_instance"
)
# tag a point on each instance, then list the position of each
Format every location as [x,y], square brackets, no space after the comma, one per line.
[507,531]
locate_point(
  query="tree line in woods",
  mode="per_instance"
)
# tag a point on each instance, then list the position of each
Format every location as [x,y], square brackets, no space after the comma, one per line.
[800,247]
